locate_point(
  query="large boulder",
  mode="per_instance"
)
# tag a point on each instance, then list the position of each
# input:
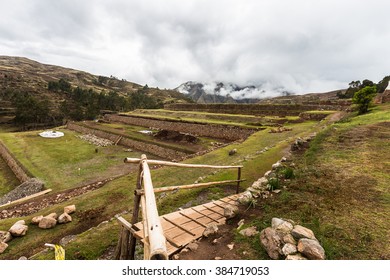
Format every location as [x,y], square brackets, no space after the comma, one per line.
[3,247]
[19,229]
[289,249]
[311,249]
[271,242]
[70,209]
[230,211]
[47,222]
[301,232]
[36,220]
[245,198]
[64,218]
[211,229]
[5,236]
[250,231]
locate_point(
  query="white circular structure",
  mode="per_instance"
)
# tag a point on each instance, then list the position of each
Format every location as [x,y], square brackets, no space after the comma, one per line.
[51,134]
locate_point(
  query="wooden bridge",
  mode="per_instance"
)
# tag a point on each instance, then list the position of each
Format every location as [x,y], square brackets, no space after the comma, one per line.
[163,236]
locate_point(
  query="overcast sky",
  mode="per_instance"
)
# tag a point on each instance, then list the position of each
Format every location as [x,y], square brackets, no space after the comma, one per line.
[302,45]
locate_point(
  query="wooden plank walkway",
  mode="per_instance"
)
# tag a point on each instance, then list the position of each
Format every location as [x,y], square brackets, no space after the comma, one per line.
[182,227]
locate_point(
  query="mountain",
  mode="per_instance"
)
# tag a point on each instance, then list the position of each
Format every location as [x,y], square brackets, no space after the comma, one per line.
[61,90]
[220,92]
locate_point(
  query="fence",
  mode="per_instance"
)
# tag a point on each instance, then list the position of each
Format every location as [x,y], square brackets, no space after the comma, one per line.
[154,239]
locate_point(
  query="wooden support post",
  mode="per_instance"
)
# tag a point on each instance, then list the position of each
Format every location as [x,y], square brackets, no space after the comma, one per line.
[134,219]
[238,180]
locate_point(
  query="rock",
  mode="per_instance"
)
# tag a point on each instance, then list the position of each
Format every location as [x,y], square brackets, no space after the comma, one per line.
[230,211]
[5,236]
[47,222]
[289,249]
[53,215]
[288,238]
[275,222]
[232,152]
[65,240]
[211,229]
[267,174]
[22,258]
[192,246]
[64,218]
[276,165]
[70,209]
[295,257]
[36,220]
[285,227]
[217,258]
[175,257]
[250,231]
[271,242]
[301,232]
[260,183]
[245,197]
[3,247]
[311,249]
[19,229]
[283,159]
[230,246]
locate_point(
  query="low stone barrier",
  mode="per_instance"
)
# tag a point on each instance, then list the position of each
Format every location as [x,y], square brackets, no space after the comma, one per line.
[137,145]
[17,168]
[227,132]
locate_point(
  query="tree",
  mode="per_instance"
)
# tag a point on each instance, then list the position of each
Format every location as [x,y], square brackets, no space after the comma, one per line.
[363,98]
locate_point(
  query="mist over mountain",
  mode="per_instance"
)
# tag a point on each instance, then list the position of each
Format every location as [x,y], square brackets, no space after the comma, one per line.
[220,92]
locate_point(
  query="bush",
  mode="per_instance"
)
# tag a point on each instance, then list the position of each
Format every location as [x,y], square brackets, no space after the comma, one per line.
[363,98]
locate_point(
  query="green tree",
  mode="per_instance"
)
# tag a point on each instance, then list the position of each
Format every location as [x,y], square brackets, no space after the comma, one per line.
[363,98]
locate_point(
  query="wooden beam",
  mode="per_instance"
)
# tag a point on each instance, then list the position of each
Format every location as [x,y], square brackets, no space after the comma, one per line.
[25,198]
[199,212]
[157,241]
[168,163]
[126,224]
[191,186]
[194,220]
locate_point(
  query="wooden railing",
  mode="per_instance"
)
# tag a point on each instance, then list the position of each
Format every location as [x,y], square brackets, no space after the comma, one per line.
[154,239]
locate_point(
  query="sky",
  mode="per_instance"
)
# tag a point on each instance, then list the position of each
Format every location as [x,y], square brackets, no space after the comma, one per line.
[300,45]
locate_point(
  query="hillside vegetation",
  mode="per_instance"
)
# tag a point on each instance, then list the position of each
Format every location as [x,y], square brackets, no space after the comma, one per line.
[46,94]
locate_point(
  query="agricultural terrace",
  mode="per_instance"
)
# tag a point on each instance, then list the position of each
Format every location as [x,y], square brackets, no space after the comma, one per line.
[57,162]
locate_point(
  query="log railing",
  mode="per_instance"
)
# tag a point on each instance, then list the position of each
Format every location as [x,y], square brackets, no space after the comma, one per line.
[154,239]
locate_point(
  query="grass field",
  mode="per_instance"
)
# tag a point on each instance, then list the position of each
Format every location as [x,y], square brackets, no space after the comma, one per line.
[340,191]
[65,162]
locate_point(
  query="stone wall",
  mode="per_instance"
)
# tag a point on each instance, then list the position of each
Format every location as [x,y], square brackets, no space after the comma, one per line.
[226,132]
[19,170]
[253,109]
[134,144]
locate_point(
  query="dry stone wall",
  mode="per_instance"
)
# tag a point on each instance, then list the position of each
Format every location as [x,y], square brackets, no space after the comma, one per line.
[226,132]
[253,109]
[137,145]
[19,170]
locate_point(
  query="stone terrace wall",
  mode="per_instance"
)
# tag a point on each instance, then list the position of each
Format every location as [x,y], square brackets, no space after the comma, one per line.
[137,145]
[251,109]
[226,132]
[19,170]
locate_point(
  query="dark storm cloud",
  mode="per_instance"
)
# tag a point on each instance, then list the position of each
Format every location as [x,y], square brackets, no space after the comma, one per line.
[301,45]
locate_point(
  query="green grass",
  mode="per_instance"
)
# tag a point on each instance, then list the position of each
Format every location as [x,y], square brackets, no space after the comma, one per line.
[64,162]
[117,196]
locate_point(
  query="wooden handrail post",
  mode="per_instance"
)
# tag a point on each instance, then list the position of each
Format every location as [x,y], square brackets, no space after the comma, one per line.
[157,241]
[134,219]
[238,180]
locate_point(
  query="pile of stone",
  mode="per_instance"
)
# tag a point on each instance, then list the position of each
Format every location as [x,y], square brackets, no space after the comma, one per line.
[302,144]
[262,187]
[285,239]
[97,141]
[16,230]
[20,228]
[51,220]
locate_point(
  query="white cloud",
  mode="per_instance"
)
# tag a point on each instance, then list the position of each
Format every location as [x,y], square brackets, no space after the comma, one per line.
[302,45]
